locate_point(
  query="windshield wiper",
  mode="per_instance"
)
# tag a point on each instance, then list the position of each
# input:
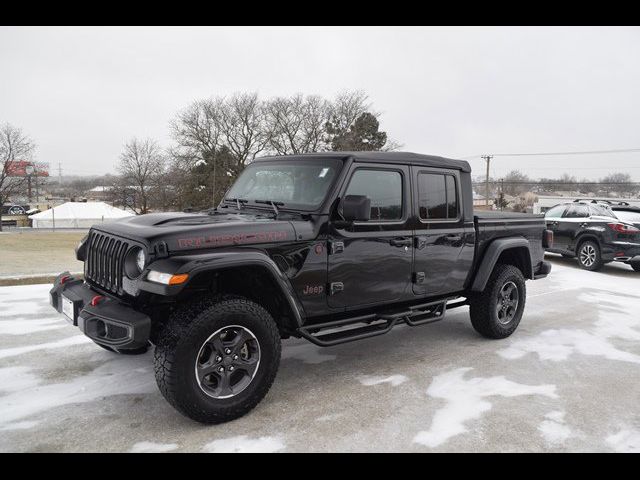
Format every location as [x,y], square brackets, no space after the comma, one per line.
[238,201]
[272,203]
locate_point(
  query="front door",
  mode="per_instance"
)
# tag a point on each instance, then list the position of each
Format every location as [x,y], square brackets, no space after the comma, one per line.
[370,262]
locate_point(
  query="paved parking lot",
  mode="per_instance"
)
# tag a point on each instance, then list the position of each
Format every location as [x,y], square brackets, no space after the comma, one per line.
[567,380]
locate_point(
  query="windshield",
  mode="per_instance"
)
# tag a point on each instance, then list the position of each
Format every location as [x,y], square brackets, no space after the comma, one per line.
[299,184]
[631,217]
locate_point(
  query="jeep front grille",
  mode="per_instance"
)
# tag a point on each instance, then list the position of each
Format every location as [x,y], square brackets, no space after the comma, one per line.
[105,261]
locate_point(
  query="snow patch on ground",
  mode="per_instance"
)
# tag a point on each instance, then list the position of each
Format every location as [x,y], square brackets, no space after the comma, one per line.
[625,441]
[244,444]
[394,380]
[150,447]
[306,353]
[559,344]
[115,377]
[65,342]
[466,400]
[24,327]
[553,429]
[14,379]
[18,426]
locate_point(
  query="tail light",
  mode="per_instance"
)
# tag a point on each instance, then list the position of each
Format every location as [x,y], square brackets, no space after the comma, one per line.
[622,228]
[547,239]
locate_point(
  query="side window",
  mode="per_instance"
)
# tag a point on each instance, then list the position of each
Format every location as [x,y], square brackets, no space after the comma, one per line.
[437,196]
[383,187]
[577,211]
[555,212]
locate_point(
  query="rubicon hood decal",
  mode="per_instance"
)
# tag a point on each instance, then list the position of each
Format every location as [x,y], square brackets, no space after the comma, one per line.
[208,241]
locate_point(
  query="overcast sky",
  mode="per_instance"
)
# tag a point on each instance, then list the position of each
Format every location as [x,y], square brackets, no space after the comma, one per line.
[80,93]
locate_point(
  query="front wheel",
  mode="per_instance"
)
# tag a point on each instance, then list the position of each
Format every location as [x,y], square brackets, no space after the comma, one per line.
[496,312]
[589,256]
[216,359]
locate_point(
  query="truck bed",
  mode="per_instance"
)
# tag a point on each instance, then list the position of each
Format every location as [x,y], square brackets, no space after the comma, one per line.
[490,225]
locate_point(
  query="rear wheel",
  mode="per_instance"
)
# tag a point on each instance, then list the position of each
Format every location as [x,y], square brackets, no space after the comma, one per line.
[589,256]
[496,312]
[217,358]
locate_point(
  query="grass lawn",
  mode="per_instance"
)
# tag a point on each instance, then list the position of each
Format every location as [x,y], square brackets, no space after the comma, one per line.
[39,252]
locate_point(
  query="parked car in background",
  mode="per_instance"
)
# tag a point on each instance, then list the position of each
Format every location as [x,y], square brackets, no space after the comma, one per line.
[593,232]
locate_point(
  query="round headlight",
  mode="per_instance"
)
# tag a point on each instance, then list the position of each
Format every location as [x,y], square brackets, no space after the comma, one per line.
[141,260]
[135,262]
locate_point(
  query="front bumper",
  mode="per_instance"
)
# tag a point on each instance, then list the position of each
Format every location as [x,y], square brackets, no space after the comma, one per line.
[109,322]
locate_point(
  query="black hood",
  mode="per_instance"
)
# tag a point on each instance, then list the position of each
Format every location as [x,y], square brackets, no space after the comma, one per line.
[193,231]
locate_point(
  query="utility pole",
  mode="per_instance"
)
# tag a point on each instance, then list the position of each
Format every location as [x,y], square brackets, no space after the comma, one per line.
[59,174]
[487,158]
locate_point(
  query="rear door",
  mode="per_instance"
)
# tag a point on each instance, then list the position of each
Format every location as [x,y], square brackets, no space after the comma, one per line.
[370,262]
[439,232]
[574,220]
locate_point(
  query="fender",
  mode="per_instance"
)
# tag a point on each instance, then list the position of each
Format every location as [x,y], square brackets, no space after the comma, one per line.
[209,262]
[490,258]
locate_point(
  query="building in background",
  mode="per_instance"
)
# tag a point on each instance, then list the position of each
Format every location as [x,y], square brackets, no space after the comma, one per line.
[77,215]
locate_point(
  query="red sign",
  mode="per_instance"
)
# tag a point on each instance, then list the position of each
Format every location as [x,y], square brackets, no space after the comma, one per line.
[19,169]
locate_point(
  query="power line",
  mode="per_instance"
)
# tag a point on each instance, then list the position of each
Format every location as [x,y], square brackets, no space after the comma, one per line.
[540,154]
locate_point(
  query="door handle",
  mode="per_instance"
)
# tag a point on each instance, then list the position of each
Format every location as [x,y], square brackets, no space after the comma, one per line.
[400,242]
[453,238]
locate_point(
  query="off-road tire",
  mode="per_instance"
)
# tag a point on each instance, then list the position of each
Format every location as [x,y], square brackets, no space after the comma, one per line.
[581,253]
[484,305]
[179,344]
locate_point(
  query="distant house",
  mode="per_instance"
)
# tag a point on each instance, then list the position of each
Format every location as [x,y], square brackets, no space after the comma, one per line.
[99,194]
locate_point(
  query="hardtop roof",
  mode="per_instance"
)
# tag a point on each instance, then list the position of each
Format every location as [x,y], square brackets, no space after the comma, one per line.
[383,157]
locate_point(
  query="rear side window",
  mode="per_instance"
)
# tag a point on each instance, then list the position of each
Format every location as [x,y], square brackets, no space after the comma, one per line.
[437,196]
[383,187]
[577,211]
[555,212]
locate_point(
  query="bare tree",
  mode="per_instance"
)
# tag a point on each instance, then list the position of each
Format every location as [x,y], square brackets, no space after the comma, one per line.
[141,164]
[244,128]
[297,124]
[346,108]
[14,146]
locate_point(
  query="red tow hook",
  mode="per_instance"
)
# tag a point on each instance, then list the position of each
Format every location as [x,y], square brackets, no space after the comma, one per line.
[64,279]
[96,300]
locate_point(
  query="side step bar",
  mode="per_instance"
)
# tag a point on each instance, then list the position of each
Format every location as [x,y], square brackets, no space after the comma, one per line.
[366,326]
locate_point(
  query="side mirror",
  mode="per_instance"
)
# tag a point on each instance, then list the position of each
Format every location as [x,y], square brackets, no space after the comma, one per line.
[356,208]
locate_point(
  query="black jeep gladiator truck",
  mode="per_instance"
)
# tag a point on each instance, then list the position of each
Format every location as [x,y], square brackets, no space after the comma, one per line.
[330,247]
